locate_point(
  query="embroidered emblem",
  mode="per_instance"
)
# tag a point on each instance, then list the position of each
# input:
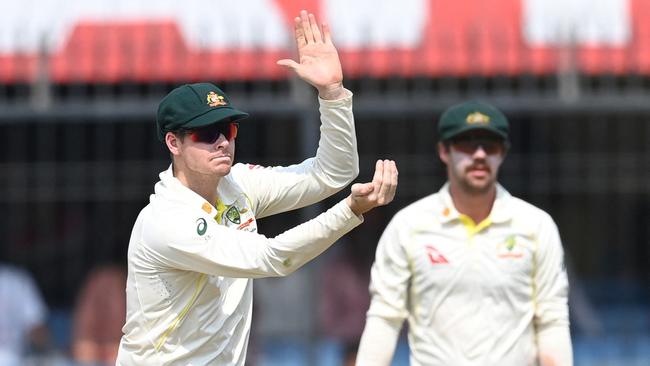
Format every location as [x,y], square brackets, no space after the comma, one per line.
[509,248]
[215,100]
[245,224]
[202,226]
[232,214]
[435,256]
[477,118]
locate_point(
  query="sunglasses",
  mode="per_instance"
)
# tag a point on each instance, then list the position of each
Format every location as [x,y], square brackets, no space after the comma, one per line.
[209,134]
[469,145]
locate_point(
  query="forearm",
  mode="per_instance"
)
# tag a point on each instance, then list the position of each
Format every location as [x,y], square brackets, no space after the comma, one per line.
[297,246]
[337,158]
[378,342]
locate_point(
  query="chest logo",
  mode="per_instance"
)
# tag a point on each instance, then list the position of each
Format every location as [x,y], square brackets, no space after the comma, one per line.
[201,226]
[435,257]
[509,248]
[232,214]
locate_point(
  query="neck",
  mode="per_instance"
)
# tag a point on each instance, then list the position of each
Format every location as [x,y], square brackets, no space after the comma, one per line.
[476,205]
[204,185]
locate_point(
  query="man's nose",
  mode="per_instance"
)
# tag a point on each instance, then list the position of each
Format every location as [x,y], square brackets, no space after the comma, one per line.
[222,141]
[480,151]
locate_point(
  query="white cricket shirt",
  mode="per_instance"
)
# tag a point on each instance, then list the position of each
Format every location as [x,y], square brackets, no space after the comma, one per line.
[190,262]
[485,294]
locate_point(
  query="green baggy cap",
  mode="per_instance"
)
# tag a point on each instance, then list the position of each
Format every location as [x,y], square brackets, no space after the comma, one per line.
[194,105]
[470,116]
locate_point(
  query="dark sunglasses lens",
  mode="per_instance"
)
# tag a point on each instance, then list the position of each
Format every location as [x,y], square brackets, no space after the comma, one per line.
[210,134]
[465,146]
[491,147]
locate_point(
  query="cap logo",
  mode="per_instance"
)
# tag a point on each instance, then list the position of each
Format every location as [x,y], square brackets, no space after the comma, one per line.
[477,118]
[215,100]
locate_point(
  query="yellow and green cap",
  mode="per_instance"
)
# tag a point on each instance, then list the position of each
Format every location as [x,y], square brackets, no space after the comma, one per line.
[194,105]
[469,116]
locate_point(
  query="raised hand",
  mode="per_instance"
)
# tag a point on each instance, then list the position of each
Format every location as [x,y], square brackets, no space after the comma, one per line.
[381,191]
[319,63]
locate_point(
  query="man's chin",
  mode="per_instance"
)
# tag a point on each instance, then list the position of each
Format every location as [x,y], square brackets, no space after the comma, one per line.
[478,187]
[221,170]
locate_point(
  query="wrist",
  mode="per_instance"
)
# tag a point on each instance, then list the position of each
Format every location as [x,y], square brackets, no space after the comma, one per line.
[354,207]
[332,92]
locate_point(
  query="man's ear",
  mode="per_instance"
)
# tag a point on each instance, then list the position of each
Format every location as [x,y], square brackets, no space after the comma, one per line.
[443,152]
[173,143]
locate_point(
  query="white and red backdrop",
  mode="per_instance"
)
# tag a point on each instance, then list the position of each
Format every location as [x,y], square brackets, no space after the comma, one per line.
[171,40]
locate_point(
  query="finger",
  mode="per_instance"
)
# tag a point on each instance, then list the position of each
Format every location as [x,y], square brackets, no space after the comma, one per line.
[394,175]
[362,189]
[314,28]
[288,63]
[306,28]
[389,185]
[393,181]
[327,36]
[386,183]
[379,171]
[301,41]
[378,177]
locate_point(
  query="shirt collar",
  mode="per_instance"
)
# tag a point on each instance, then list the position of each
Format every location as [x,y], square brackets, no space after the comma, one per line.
[172,188]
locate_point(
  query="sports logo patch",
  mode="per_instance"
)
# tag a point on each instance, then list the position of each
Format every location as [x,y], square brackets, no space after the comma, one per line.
[509,248]
[215,100]
[435,257]
[232,214]
[477,118]
[201,226]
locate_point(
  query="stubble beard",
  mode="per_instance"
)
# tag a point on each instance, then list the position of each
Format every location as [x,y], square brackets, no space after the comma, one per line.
[476,188]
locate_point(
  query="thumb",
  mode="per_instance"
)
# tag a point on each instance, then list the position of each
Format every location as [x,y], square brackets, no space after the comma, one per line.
[362,189]
[288,63]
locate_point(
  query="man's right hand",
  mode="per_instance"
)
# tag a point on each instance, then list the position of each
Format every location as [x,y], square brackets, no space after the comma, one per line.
[381,191]
[318,62]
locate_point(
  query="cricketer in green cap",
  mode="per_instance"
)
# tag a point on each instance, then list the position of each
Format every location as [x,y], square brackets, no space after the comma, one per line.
[473,144]
[194,249]
[470,116]
[194,105]
[465,245]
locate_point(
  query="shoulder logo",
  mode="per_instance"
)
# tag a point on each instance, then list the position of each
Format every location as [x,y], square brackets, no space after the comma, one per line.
[201,226]
[477,118]
[215,100]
